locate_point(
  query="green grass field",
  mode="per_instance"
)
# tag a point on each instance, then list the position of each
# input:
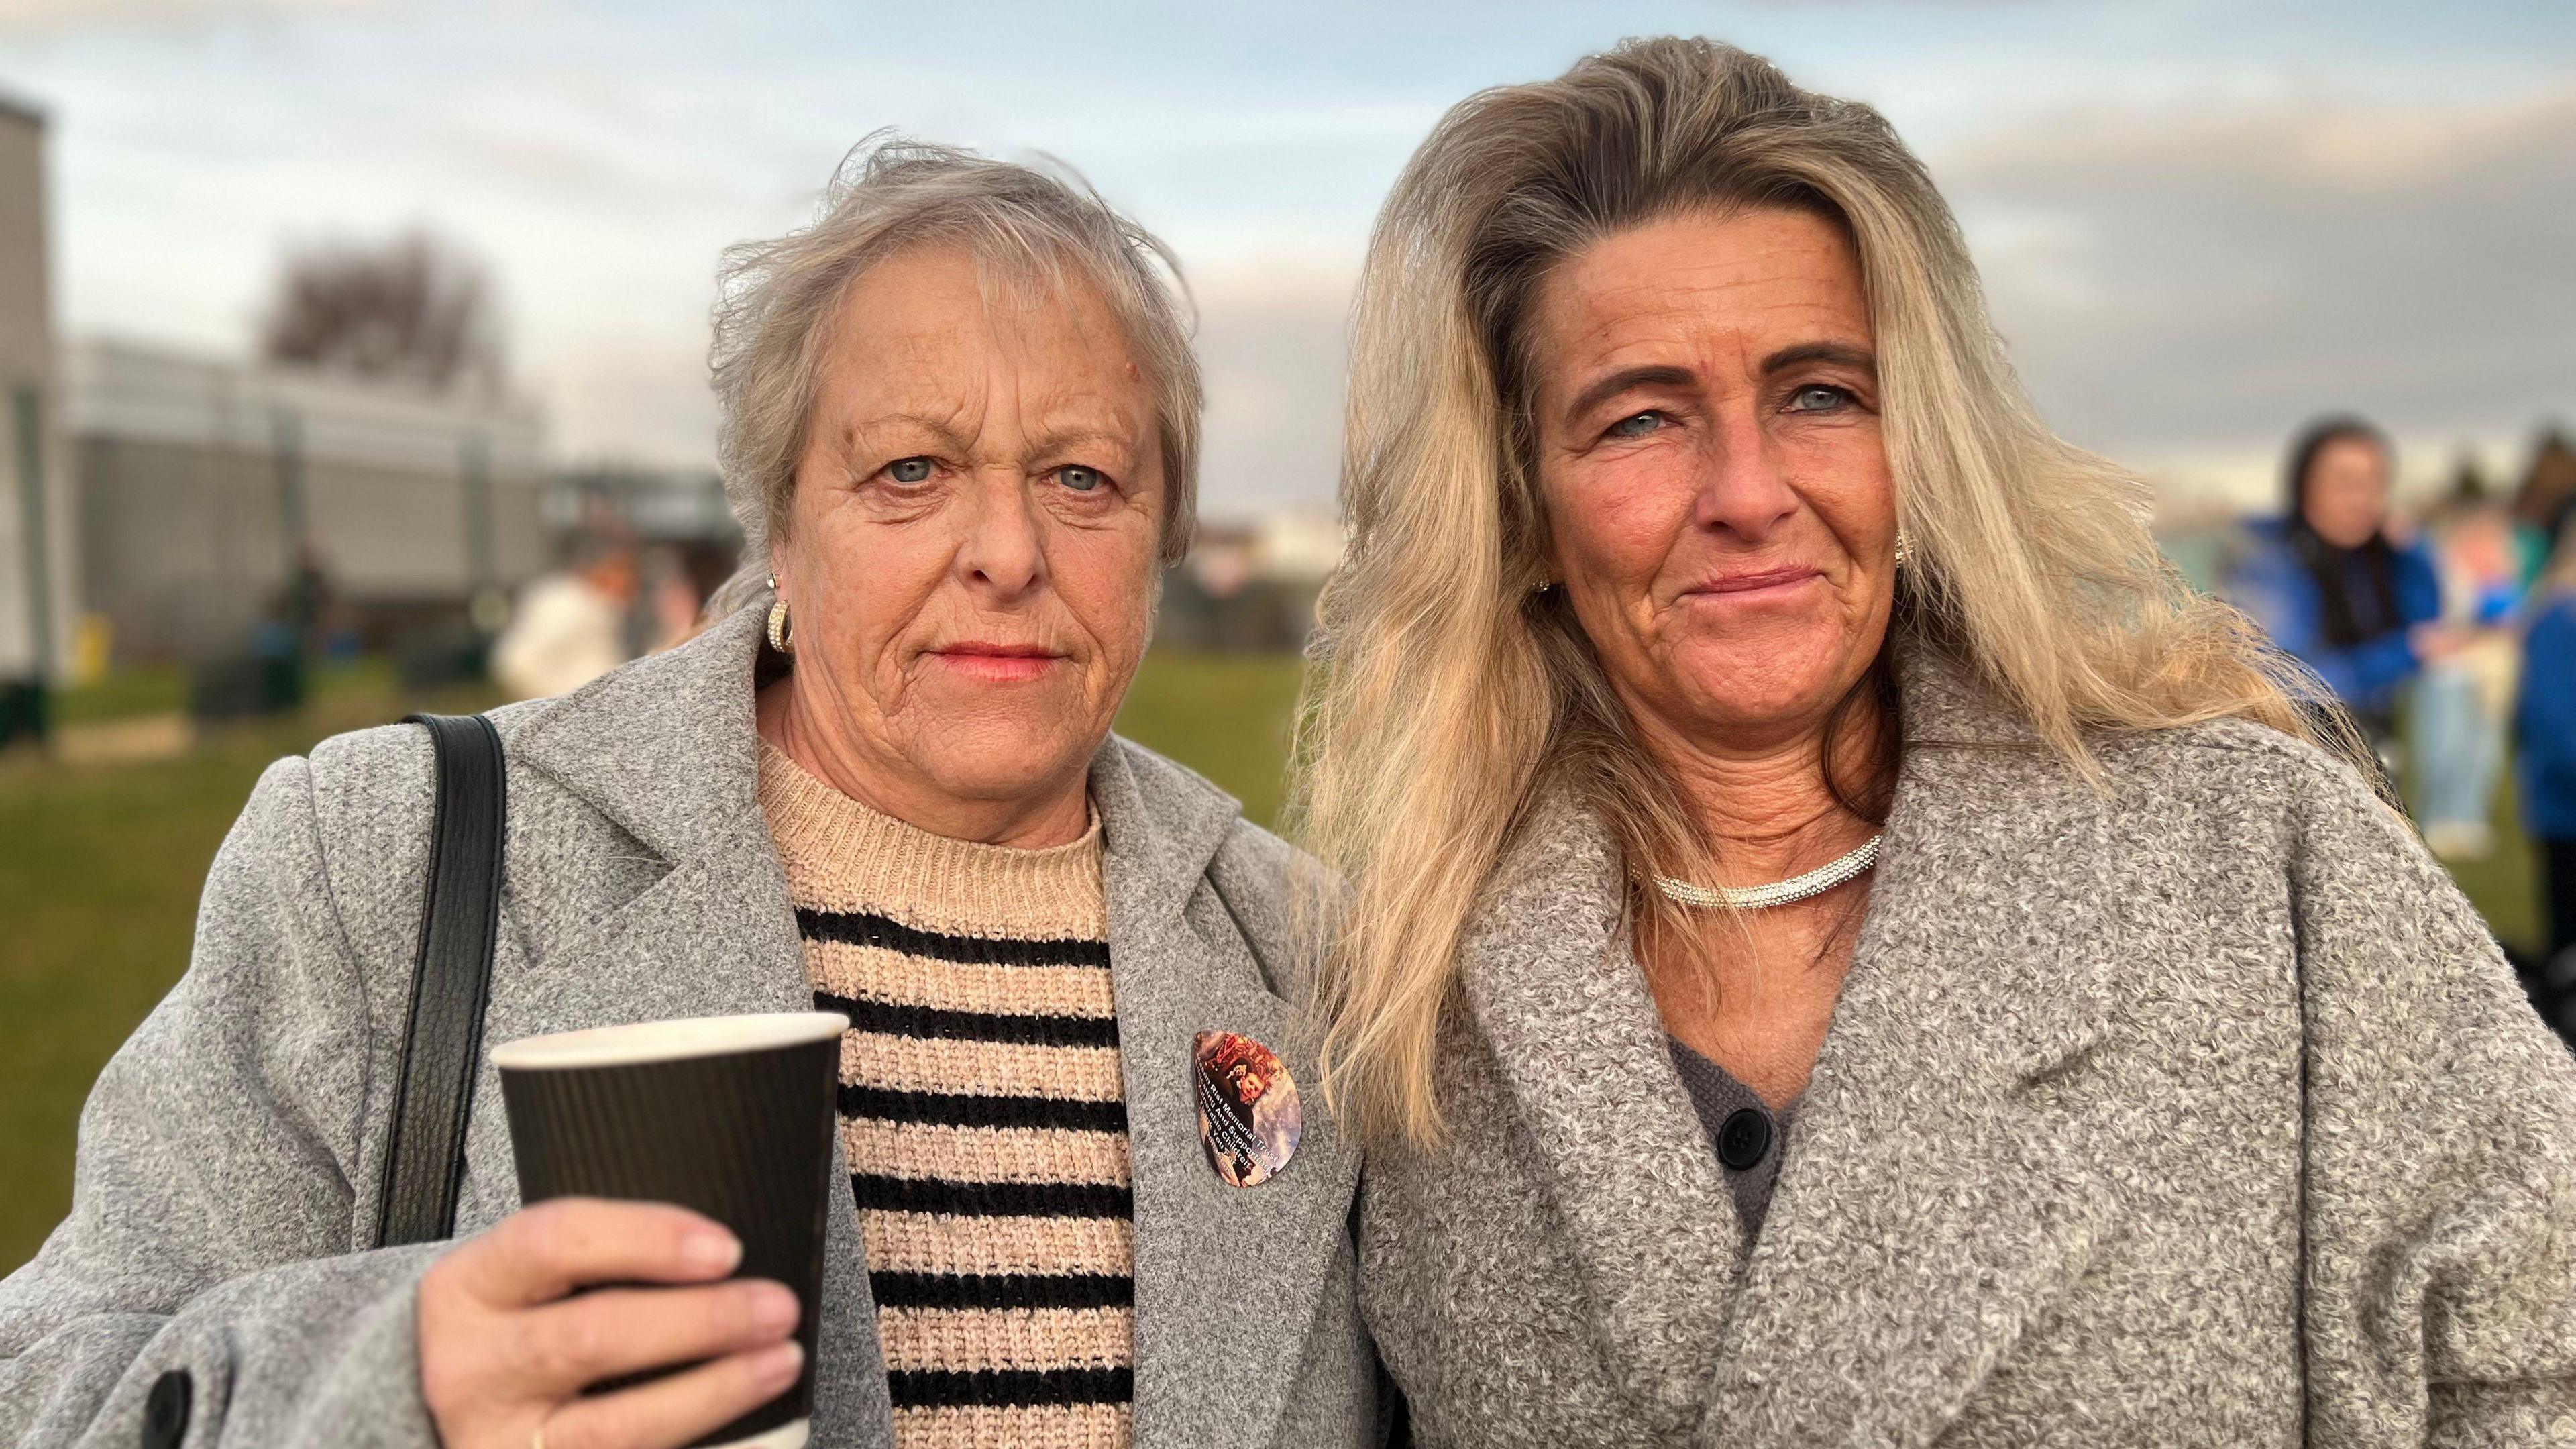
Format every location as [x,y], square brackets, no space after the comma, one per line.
[100,868]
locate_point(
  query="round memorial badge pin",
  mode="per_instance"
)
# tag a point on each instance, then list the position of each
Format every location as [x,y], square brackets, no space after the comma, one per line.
[1249,1115]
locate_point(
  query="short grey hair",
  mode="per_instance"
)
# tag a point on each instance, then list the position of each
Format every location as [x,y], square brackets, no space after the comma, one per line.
[776,300]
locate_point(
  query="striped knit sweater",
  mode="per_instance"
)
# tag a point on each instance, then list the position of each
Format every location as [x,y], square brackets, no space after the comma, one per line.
[981,1111]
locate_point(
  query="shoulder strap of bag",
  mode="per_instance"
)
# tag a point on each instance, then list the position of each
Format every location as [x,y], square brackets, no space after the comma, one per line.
[425,1161]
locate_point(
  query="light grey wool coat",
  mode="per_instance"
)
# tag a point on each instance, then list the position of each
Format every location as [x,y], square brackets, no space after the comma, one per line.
[231,1154]
[2108,1069]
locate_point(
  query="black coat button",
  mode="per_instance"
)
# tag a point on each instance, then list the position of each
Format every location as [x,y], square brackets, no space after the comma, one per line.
[165,1412]
[1744,1137]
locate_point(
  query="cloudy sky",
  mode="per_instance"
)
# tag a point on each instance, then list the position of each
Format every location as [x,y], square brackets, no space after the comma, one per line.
[2199,221]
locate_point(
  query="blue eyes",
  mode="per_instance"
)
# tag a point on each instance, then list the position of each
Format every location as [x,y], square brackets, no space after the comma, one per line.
[1815,397]
[1076,476]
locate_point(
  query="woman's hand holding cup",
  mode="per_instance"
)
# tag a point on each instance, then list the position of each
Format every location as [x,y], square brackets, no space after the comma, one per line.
[506,1348]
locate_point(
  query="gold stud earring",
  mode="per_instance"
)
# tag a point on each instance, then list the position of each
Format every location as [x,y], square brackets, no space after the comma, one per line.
[781,638]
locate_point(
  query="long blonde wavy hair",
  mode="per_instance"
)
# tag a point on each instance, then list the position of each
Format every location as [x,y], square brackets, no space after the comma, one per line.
[1444,694]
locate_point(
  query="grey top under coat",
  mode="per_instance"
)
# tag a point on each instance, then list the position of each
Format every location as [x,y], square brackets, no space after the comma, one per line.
[2191,1105]
[230,1154]
[1727,1109]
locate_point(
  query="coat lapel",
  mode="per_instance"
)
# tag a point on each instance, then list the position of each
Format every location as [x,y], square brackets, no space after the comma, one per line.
[1227,1278]
[1946,1177]
[665,749]
[1563,1006]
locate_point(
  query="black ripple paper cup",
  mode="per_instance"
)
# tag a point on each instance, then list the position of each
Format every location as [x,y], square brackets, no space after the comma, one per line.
[730,1116]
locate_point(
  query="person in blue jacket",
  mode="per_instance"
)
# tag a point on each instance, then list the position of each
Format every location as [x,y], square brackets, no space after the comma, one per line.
[2330,586]
[2544,728]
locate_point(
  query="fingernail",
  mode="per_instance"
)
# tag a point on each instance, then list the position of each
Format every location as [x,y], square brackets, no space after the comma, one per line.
[714,1252]
[776,1310]
[777,1364]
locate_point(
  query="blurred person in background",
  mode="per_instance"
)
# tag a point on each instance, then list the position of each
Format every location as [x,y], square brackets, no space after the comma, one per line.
[570,626]
[2333,588]
[1844,946]
[313,604]
[2456,720]
[2545,738]
[961,422]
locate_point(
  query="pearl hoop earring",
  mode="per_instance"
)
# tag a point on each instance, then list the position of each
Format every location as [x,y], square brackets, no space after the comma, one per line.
[781,637]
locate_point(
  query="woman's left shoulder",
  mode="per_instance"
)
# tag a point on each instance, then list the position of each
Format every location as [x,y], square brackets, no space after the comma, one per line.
[1249,862]
[2353,868]
[2275,792]
[2246,760]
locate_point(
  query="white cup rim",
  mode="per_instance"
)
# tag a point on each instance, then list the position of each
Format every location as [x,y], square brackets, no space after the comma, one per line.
[678,1039]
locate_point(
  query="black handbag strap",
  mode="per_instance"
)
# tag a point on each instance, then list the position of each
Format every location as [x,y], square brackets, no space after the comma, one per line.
[425,1161]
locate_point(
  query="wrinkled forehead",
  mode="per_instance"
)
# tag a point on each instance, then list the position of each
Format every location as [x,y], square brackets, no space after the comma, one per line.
[1010,292]
[948,327]
[1695,288]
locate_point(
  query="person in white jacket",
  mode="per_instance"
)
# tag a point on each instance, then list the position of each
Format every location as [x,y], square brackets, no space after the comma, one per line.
[569,627]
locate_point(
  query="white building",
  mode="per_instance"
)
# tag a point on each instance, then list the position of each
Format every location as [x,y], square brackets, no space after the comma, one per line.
[205,483]
[39,581]
[1301,546]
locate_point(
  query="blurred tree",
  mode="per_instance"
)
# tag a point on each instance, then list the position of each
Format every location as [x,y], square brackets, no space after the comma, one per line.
[416,308]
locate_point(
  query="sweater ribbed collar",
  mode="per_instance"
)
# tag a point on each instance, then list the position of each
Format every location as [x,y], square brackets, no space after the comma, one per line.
[841,854]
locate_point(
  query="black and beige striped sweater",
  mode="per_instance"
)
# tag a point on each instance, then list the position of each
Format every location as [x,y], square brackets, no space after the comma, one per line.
[982,1113]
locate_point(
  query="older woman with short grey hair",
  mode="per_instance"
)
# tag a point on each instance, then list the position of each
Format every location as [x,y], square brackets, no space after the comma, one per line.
[961,431]
[1844,947]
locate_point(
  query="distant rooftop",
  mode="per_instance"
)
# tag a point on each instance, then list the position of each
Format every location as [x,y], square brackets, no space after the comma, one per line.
[147,392]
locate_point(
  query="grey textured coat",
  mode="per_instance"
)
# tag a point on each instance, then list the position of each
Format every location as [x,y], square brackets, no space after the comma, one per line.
[2108,1067]
[231,1154]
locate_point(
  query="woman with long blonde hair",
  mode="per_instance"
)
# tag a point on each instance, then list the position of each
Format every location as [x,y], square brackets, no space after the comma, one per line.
[1841,944]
